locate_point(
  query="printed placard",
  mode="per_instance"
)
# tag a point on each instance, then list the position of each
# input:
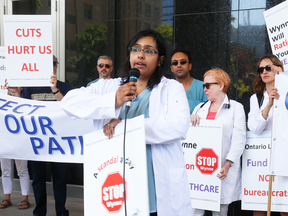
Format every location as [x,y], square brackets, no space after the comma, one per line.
[279,149]
[28,44]
[202,155]
[277,28]
[255,176]
[103,171]
[3,90]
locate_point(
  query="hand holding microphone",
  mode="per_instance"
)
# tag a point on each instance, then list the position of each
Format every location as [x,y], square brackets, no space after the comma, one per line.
[127,91]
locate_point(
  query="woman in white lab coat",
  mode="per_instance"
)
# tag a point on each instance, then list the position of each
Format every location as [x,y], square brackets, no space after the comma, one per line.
[260,115]
[164,104]
[231,113]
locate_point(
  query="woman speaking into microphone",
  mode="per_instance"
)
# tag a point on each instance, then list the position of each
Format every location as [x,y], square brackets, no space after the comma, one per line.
[164,105]
[231,113]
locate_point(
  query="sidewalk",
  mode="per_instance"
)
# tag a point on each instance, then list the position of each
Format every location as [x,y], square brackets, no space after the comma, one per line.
[74,205]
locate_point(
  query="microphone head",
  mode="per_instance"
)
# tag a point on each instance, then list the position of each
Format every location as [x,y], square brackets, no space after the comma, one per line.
[135,73]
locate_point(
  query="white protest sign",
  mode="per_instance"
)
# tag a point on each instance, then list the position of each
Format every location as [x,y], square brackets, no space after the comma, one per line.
[202,155]
[279,159]
[103,171]
[255,176]
[40,130]
[277,27]
[29,56]
[3,90]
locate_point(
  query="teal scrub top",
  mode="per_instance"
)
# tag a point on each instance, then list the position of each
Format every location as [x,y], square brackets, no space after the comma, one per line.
[195,94]
[139,106]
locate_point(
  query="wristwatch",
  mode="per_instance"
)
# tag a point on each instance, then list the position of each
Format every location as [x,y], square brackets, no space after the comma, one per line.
[55,92]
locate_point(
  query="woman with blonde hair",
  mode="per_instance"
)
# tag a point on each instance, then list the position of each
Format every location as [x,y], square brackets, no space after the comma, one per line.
[231,113]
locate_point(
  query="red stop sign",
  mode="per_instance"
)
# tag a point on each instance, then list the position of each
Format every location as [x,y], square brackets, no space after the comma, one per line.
[113,192]
[206,161]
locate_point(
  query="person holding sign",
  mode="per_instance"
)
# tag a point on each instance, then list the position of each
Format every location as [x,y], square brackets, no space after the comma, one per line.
[58,170]
[261,115]
[164,105]
[231,113]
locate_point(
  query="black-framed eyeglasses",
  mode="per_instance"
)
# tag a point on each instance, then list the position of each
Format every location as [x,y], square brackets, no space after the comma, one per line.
[107,66]
[145,51]
[182,62]
[207,85]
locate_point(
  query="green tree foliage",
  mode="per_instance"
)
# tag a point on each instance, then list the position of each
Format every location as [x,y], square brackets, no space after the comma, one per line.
[166,31]
[38,4]
[74,61]
[241,88]
[92,43]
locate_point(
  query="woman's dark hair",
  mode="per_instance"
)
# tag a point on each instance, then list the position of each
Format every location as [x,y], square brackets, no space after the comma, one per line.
[259,85]
[161,46]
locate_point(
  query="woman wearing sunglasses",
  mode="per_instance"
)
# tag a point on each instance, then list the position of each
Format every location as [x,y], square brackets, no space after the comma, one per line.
[260,115]
[164,105]
[231,113]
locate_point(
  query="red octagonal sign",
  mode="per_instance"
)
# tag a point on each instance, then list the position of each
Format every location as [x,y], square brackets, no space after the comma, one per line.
[206,161]
[113,192]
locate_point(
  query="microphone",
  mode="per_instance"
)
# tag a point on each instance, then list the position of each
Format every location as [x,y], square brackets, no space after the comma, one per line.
[134,74]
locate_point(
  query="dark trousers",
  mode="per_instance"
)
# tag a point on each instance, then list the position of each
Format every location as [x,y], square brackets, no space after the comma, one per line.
[58,171]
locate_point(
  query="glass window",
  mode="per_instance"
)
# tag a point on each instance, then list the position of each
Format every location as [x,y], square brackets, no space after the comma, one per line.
[234,4]
[247,4]
[251,17]
[168,3]
[71,19]
[157,12]
[87,11]
[86,39]
[32,7]
[147,10]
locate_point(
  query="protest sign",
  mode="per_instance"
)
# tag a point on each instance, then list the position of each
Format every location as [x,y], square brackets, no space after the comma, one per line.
[29,56]
[279,159]
[3,90]
[39,130]
[202,155]
[103,171]
[255,176]
[277,27]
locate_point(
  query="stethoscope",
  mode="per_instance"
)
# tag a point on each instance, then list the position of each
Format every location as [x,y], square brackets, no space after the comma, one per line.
[226,105]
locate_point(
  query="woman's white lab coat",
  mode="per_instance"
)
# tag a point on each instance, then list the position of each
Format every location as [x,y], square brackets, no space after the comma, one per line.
[167,124]
[233,144]
[256,122]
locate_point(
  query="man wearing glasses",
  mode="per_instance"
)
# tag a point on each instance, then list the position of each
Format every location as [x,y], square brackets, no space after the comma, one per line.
[180,67]
[104,68]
